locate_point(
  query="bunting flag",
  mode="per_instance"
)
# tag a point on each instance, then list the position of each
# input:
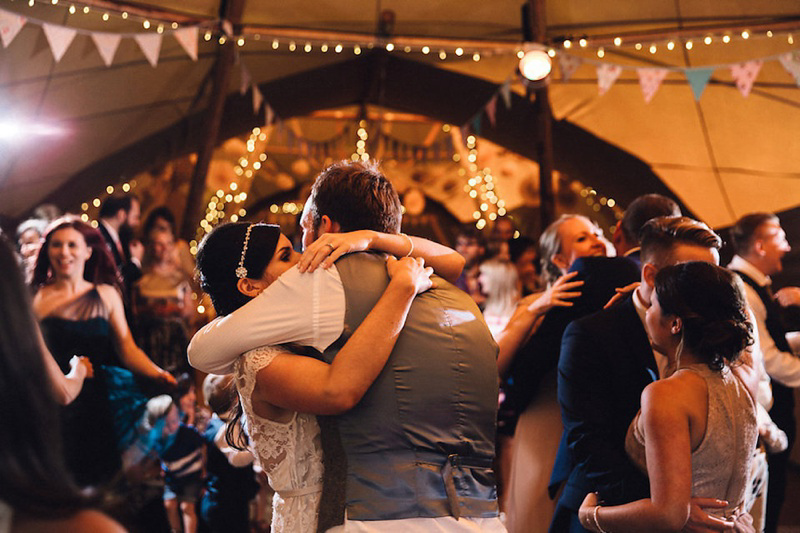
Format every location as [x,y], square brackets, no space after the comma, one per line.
[791,62]
[505,92]
[698,79]
[150,43]
[258,99]
[270,113]
[491,109]
[245,80]
[569,64]
[477,125]
[607,74]
[107,44]
[10,24]
[59,38]
[745,74]
[188,37]
[650,80]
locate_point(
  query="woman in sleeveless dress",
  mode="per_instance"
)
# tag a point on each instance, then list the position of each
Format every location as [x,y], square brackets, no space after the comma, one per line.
[278,388]
[696,430]
[36,493]
[80,310]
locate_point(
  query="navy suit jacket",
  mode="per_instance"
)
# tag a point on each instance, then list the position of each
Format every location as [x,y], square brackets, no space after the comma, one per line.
[606,362]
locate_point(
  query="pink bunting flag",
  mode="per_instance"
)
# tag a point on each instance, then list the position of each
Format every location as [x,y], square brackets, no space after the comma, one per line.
[270,113]
[150,43]
[258,99]
[59,38]
[607,74]
[491,109]
[569,64]
[10,24]
[791,62]
[245,80]
[505,92]
[107,44]
[188,37]
[650,80]
[744,74]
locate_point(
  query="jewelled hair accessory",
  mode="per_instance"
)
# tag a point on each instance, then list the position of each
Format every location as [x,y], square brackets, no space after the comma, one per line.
[241,271]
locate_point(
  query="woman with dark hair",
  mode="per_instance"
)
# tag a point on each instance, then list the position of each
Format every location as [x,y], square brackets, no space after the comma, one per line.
[80,309]
[277,387]
[35,488]
[696,430]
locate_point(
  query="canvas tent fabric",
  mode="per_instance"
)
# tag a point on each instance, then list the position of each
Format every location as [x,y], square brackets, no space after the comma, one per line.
[722,155]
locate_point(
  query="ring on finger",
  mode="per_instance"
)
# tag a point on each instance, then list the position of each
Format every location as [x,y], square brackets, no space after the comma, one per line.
[332,246]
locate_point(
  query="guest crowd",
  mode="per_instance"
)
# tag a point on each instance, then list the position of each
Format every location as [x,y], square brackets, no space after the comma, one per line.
[638,385]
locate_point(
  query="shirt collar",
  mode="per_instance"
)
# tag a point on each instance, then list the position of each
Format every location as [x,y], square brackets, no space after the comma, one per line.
[746,267]
[632,251]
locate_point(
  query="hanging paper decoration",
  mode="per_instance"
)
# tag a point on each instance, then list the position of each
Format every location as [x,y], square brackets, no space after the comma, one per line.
[258,99]
[10,24]
[569,64]
[150,43]
[107,44]
[607,74]
[245,80]
[491,109]
[59,38]
[271,117]
[188,37]
[505,92]
[650,80]
[477,125]
[698,79]
[791,62]
[744,74]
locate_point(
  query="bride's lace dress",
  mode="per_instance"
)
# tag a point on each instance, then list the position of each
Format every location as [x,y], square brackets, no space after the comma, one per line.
[290,453]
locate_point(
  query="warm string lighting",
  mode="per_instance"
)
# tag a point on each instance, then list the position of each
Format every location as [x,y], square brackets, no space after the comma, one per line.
[596,204]
[77,8]
[480,187]
[361,153]
[97,201]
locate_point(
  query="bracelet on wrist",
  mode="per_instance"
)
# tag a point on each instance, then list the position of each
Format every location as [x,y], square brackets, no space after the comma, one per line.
[410,244]
[596,523]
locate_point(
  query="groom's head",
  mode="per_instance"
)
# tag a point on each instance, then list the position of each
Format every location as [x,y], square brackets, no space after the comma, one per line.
[350,196]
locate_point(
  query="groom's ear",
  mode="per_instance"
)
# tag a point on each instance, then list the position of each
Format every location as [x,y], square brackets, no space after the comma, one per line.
[326,225]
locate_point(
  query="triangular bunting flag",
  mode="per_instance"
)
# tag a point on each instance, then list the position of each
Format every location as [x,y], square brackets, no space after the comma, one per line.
[188,38]
[491,109]
[791,62]
[271,117]
[245,80]
[477,124]
[698,79]
[258,99]
[650,80]
[227,28]
[150,43]
[505,92]
[10,24]
[744,74]
[607,74]
[59,39]
[569,64]
[107,44]
[464,133]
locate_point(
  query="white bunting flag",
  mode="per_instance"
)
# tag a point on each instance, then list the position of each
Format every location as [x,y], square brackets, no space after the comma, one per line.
[607,74]
[569,64]
[107,44]
[744,74]
[791,62]
[150,43]
[59,39]
[245,80]
[188,38]
[10,24]
[650,80]
[258,99]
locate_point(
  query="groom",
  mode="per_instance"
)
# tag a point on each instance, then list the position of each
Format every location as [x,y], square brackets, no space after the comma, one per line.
[419,446]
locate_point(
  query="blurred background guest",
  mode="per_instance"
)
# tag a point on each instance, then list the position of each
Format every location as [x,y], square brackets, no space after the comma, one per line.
[29,240]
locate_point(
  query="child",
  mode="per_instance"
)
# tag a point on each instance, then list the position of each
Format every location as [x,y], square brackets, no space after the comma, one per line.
[182,452]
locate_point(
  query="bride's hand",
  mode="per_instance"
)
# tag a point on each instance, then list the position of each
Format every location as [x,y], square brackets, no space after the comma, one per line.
[586,512]
[331,246]
[410,270]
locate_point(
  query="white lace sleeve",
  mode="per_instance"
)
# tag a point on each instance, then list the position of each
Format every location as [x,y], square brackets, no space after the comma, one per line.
[248,365]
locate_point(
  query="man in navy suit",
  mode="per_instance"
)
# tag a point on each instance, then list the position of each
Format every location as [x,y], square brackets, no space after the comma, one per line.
[606,361]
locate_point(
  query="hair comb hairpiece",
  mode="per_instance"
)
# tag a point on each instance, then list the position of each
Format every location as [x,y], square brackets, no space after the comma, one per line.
[241,271]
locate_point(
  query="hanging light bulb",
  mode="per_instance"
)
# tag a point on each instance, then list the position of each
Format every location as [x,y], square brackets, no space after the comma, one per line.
[535,65]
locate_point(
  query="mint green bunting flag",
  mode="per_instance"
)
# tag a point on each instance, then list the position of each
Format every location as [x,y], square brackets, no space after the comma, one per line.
[698,79]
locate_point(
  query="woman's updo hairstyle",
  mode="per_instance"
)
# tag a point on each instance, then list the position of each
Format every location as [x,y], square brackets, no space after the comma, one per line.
[218,258]
[710,302]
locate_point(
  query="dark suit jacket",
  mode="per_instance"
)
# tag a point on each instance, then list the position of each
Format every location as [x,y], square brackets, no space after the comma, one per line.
[539,356]
[606,361]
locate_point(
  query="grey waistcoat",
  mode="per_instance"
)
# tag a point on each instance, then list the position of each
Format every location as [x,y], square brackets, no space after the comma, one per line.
[421,441]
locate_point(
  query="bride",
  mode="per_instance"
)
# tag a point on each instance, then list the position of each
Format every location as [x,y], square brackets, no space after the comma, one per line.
[278,388]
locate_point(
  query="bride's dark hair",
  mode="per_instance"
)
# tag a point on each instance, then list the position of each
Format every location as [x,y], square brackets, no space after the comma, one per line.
[218,257]
[710,302]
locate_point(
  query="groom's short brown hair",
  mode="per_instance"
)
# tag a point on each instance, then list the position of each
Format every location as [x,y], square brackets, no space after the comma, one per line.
[357,196]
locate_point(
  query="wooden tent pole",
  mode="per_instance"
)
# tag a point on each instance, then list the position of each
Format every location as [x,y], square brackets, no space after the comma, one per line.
[230,10]
[544,125]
